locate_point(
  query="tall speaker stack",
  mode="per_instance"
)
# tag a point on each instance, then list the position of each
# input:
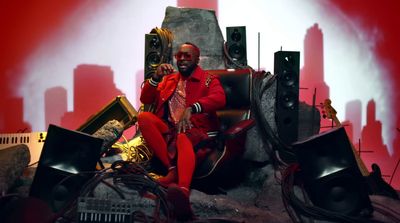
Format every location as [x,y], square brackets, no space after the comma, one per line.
[152,55]
[286,69]
[236,46]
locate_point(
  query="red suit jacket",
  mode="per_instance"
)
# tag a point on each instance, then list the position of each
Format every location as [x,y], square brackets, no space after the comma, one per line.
[201,87]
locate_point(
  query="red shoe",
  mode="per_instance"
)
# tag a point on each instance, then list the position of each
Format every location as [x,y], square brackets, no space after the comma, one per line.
[170,178]
[179,199]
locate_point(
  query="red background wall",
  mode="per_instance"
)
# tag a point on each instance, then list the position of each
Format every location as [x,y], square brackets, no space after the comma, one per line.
[26,24]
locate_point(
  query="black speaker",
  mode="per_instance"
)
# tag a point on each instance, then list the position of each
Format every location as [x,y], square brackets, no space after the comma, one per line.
[152,54]
[67,157]
[331,175]
[236,45]
[287,67]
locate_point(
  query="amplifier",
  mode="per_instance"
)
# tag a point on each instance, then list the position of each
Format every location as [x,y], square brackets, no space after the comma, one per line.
[34,141]
[119,109]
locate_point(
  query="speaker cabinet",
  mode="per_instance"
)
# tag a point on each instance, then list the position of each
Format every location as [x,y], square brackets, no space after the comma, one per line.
[152,54]
[331,175]
[287,67]
[67,157]
[236,45]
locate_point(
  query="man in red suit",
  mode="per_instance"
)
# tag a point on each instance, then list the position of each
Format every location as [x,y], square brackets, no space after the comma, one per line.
[185,105]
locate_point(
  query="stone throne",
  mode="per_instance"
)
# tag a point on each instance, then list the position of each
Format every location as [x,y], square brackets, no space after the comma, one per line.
[200,26]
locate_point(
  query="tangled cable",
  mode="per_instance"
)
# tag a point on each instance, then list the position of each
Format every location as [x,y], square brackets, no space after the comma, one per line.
[135,150]
[126,179]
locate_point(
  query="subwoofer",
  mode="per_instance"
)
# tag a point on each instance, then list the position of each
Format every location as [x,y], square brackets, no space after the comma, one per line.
[236,46]
[330,173]
[286,68]
[152,55]
[65,164]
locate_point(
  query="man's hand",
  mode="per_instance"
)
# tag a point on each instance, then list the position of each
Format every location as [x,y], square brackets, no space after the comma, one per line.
[162,70]
[184,122]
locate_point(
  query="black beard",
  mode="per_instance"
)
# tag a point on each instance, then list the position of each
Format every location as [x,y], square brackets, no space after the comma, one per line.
[188,71]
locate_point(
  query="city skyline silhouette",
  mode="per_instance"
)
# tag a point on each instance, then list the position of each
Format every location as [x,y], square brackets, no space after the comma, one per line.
[372,147]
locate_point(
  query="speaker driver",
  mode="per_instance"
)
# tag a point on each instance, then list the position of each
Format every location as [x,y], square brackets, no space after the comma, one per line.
[154,43]
[236,36]
[340,194]
[288,100]
[288,79]
[153,60]
[236,51]
[331,175]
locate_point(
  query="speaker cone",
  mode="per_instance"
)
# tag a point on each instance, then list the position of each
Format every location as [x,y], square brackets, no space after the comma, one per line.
[153,59]
[154,43]
[236,36]
[236,51]
[288,78]
[288,100]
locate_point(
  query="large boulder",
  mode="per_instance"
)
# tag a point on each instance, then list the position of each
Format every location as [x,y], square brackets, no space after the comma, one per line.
[198,26]
[13,161]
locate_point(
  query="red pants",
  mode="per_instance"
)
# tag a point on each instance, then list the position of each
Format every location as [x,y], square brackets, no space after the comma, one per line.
[154,130]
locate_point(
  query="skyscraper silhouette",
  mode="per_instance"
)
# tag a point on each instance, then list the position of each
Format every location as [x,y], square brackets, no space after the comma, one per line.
[353,115]
[55,103]
[14,116]
[312,74]
[93,88]
[371,140]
